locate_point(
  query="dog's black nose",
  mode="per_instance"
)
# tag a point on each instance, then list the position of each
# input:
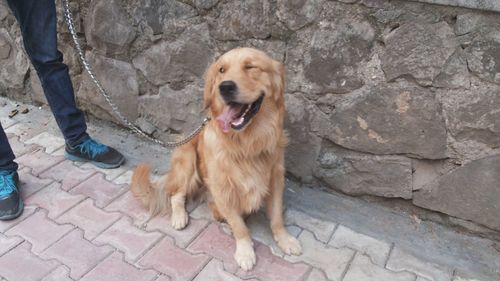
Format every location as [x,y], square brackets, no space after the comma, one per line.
[227,90]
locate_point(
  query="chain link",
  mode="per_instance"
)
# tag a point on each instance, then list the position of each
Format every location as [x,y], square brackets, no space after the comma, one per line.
[68,17]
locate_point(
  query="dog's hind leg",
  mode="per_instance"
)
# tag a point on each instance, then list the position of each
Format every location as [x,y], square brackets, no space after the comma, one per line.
[183,180]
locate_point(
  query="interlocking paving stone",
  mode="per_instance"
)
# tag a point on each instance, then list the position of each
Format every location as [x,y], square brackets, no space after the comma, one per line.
[321,229]
[182,237]
[40,231]
[20,264]
[77,253]
[163,278]
[202,212]
[24,130]
[261,231]
[67,174]
[19,148]
[6,121]
[28,211]
[331,260]
[55,200]
[29,183]
[114,268]
[39,161]
[459,277]
[214,270]
[109,174]
[128,205]
[59,152]
[377,250]
[128,238]
[48,141]
[173,261]
[213,241]
[102,191]
[316,275]
[8,243]
[362,269]
[89,218]
[59,274]
[124,178]
[400,260]
[271,267]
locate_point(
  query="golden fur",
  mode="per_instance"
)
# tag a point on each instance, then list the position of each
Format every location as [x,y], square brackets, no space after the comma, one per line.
[242,169]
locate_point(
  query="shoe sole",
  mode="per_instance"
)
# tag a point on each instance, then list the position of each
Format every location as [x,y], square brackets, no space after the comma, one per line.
[97,164]
[16,215]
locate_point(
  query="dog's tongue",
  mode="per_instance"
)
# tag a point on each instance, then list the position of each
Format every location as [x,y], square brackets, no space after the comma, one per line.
[229,114]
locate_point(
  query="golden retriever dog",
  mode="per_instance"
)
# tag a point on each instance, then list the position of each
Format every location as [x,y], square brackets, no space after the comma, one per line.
[238,156]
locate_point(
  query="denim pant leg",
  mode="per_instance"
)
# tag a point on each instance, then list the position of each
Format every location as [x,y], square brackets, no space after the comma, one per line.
[38,22]
[6,155]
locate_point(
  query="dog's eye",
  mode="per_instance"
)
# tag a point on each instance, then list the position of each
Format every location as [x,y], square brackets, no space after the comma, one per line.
[221,70]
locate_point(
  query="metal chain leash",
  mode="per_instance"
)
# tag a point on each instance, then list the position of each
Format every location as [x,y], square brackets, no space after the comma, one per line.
[68,17]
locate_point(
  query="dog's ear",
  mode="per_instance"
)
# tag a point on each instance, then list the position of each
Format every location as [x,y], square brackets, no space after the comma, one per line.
[278,82]
[208,93]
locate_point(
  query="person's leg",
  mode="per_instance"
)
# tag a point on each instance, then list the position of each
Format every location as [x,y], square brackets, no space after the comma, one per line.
[11,205]
[38,22]
[6,155]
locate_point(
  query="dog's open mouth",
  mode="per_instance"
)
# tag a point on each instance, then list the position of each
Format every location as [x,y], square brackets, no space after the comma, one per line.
[238,115]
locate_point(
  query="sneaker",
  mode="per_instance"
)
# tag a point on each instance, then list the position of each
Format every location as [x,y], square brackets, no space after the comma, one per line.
[98,154]
[11,204]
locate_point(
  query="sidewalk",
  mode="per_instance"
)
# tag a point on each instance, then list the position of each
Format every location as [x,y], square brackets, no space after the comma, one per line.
[82,223]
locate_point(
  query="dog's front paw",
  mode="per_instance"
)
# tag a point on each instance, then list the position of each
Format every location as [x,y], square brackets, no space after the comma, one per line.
[179,219]
[289,244]
[245,255]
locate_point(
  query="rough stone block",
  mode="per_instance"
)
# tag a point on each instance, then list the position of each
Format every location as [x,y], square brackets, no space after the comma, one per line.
[185,59]
[243,20]
[297,14]
[395,118]
[473,116]
[359,174]
[108,28]
[470,192]
[177,110]
[419,50]
[14,63]
[119,80]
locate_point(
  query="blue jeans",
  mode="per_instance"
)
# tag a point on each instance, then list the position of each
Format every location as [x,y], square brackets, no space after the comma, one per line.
[38,22]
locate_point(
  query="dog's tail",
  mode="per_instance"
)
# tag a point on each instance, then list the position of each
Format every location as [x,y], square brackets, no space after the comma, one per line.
[154,196]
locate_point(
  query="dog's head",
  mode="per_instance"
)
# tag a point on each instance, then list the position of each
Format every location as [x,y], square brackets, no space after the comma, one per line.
[244,87]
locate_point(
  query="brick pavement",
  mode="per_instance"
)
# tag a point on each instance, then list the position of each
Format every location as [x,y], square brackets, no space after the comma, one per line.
[82,223]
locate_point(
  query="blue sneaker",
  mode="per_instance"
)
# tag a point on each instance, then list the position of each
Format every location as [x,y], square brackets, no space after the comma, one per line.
[98,154]
[11,204]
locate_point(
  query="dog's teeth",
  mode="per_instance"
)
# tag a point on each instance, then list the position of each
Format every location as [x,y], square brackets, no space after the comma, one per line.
[246,111]
[238,122]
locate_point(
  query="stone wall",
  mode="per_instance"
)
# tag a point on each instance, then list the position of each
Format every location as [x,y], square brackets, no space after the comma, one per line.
[393,99]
